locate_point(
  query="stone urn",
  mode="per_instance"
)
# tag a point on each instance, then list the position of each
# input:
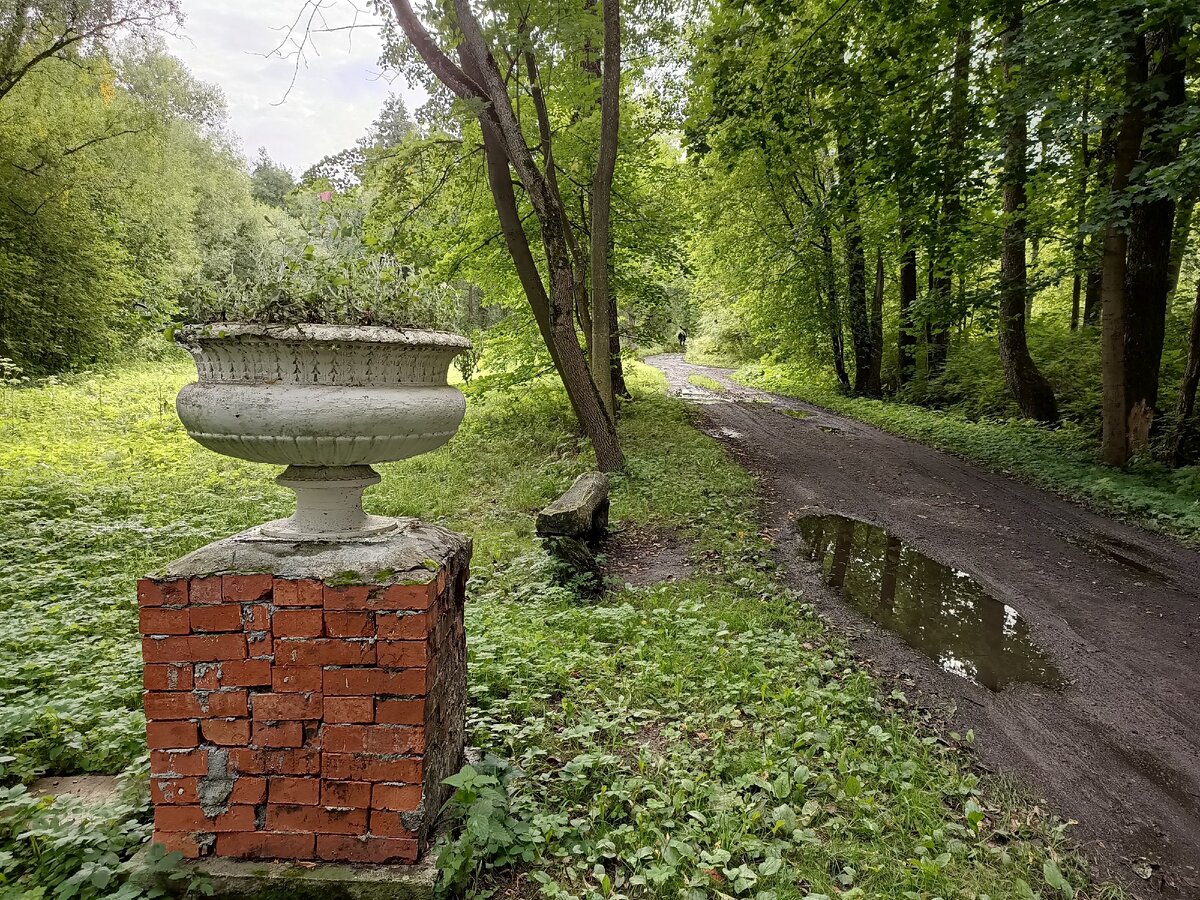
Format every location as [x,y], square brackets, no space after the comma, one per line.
[326,401]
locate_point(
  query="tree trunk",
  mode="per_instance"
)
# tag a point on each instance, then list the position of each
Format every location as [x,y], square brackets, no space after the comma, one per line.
[1104,159]
[875,382]
[856,268]
[603,325]
[1079,246]
[614,351]
[1186,404]
[1147,271]
[480,81]
[1114,445]
[1029,387]
[942,284]
[907,338]
[1179,242]
[833,308]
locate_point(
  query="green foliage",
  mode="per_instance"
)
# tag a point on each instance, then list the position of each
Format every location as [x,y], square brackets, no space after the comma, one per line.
[69,850]
[119,191]
[704,736]
[350,286]
[270,183]
[709,384]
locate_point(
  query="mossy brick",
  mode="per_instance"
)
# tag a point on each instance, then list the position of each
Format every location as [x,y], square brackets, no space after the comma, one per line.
[174,791]
[168,677]
[294,791]
[301,761]
[324,652]
[153,592]
[396,797]
[298,623]
[346,794]
[193,818]
[188,845]
[348,597]
[402,596]
[361,767]
[153,620]
[402,654]
[296,679]
[245,588]
[172,735]
[298,592]
[286,707]
[349,623]
[267,845]
[278,735]
[373,850]
[386,823]
[206,590]
[245,673]
[401,626]
[226,732]
[216,618]
[182,762]
[400,712]
[349,710]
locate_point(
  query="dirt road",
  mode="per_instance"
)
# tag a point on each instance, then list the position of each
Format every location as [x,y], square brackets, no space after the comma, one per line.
[1116,608]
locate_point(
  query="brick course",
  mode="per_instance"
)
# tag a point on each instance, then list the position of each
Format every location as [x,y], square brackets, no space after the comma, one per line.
[291,719]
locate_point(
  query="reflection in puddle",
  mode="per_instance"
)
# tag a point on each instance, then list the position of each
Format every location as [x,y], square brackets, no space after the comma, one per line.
[941,612]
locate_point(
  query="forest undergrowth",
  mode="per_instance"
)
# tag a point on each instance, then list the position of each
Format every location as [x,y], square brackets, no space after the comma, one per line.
[700,738]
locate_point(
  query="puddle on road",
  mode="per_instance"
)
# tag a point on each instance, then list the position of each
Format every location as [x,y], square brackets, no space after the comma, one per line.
[937,610]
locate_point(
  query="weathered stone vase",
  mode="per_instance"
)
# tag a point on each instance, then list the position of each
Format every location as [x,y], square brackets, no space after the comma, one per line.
[326,401]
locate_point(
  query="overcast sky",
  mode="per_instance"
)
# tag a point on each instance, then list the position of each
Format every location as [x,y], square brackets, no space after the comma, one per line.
[334,99]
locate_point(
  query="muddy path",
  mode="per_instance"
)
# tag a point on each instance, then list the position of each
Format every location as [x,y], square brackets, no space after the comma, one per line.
[1116,744]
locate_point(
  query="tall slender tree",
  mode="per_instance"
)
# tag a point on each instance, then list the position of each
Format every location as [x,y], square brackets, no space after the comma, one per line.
[1029,387]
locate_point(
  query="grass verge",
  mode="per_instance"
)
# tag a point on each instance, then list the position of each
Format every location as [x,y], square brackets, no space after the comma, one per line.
[1062,459]
[698,739]
[709,384]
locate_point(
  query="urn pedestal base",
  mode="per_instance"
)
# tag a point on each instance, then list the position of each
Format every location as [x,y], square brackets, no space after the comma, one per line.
[306,700]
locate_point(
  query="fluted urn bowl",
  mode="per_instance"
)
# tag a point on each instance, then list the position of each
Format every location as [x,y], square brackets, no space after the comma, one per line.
[327,401]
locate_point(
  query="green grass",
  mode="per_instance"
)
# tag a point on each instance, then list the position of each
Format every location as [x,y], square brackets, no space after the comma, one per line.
[709,384]
[700,739]
[1062,459]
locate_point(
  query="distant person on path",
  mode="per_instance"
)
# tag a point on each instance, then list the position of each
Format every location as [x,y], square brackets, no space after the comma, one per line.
[681,335]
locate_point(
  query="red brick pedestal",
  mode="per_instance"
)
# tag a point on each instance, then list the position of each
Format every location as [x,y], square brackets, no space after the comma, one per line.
[306,702]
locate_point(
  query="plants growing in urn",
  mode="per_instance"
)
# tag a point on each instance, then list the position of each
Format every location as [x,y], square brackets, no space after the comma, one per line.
[314,285]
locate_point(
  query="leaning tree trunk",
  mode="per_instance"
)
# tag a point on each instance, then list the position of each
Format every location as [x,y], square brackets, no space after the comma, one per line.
[603,325]
[1186,404]
[480,82]
[1029,387]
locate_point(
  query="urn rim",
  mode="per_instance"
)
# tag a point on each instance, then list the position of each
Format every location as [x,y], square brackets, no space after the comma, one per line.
[194,337]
